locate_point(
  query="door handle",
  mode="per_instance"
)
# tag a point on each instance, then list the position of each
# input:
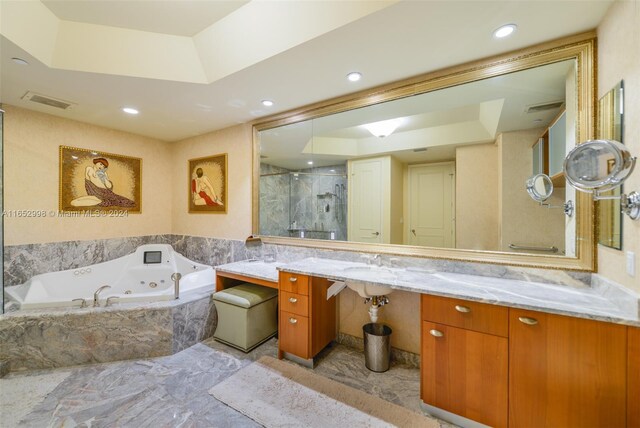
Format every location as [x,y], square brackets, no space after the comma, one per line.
[414,232]
[375,233]
[293,299]
[293,320]
[436,333]
[293,279]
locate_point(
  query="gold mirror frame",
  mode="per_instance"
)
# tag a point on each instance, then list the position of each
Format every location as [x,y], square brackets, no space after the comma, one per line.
[579,47]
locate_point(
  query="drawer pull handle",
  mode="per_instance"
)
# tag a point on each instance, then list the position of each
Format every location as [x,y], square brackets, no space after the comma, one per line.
[293,279]
[528,321]
[293,320]
[463,309]
[436,333]
[293,299]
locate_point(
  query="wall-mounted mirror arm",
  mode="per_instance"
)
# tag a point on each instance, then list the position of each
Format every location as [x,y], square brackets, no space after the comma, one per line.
[598,166]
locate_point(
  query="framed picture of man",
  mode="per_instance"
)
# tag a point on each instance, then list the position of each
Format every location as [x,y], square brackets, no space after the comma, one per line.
[208,184]
[100,182]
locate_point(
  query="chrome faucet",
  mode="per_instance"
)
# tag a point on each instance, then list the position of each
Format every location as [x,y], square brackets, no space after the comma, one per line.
[376,260]
[176,284]
[96,303]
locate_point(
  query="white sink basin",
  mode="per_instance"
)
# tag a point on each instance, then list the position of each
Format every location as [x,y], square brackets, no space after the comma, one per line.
[366,290]
[363,287]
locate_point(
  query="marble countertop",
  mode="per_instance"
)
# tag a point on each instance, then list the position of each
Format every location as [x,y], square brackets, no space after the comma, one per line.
[617,306]
[252,268]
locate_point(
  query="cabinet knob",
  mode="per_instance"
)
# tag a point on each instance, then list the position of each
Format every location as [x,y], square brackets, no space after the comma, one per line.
[293,279]
[293,320]
[436,333]
[463,309]
[375,233]
[293,299]
[528,320]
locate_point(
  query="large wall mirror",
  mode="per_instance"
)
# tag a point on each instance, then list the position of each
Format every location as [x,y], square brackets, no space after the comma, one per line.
[436,166]
[610,127]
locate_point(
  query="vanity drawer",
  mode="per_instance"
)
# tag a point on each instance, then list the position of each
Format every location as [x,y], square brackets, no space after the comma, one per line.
[295,303]
[294,283]
[475,316]
[293,336]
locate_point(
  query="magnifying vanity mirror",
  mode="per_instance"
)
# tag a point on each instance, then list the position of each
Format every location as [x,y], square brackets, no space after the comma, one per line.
[539,187]
[598,166]
[433,166]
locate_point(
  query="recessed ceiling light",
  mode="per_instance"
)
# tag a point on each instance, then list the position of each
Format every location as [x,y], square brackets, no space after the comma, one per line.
[267,103]
[19,61]
[504,31]
[310,163]
[354,76]
[130,110]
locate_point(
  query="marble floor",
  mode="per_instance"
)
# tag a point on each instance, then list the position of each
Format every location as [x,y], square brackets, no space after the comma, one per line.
[172,391]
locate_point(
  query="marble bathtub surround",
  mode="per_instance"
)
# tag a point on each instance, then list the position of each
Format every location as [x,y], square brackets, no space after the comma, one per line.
[597,303]
[61,337]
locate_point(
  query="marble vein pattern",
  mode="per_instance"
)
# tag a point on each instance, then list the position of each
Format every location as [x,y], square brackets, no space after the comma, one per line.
[35,339]
[172,390]
[591,303]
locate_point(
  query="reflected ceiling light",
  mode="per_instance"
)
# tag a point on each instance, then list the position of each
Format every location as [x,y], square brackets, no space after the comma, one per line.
[504,31]
[354,76]
[310,163]
[19,61]
[383,128]
[267,103]
[130,110]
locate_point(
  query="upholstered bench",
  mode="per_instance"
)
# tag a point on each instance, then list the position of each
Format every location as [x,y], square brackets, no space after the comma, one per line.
[247,315]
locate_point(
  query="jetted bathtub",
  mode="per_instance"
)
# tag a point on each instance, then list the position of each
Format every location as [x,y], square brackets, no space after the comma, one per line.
[144,275]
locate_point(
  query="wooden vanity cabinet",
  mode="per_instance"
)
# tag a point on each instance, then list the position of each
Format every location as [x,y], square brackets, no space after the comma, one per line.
[633,378]
[565,371]
[464,366]
[306,319]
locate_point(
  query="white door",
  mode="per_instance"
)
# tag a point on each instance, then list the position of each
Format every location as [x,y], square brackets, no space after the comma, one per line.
[365,195]
[431,205]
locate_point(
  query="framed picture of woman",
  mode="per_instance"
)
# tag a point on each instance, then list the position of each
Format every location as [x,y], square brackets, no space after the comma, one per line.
[91,180]
[208,184]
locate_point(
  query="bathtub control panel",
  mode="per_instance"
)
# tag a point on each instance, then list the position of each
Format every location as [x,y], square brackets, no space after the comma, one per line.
[151,257]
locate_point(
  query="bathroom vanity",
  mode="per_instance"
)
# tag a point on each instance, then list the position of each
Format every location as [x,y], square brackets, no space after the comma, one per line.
[494,351]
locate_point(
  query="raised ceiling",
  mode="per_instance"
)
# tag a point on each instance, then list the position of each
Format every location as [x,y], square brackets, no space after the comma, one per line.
[211,67]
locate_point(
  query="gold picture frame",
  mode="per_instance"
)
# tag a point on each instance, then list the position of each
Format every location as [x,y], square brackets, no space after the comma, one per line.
[208,185]
[99,182]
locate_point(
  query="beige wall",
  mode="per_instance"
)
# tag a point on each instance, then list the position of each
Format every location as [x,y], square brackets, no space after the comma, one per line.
[523,220]
[402,314]
[31,144]
[236,224]
[397,198]
[477,197]
[619,59]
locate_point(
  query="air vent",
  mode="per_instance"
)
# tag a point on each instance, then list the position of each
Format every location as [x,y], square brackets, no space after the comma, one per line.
[542,107]
[423,149]
[48,101]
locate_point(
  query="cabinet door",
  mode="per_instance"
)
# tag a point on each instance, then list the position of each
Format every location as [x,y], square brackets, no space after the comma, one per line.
[633,383]
[465,372]
[293,335]
[565,371]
